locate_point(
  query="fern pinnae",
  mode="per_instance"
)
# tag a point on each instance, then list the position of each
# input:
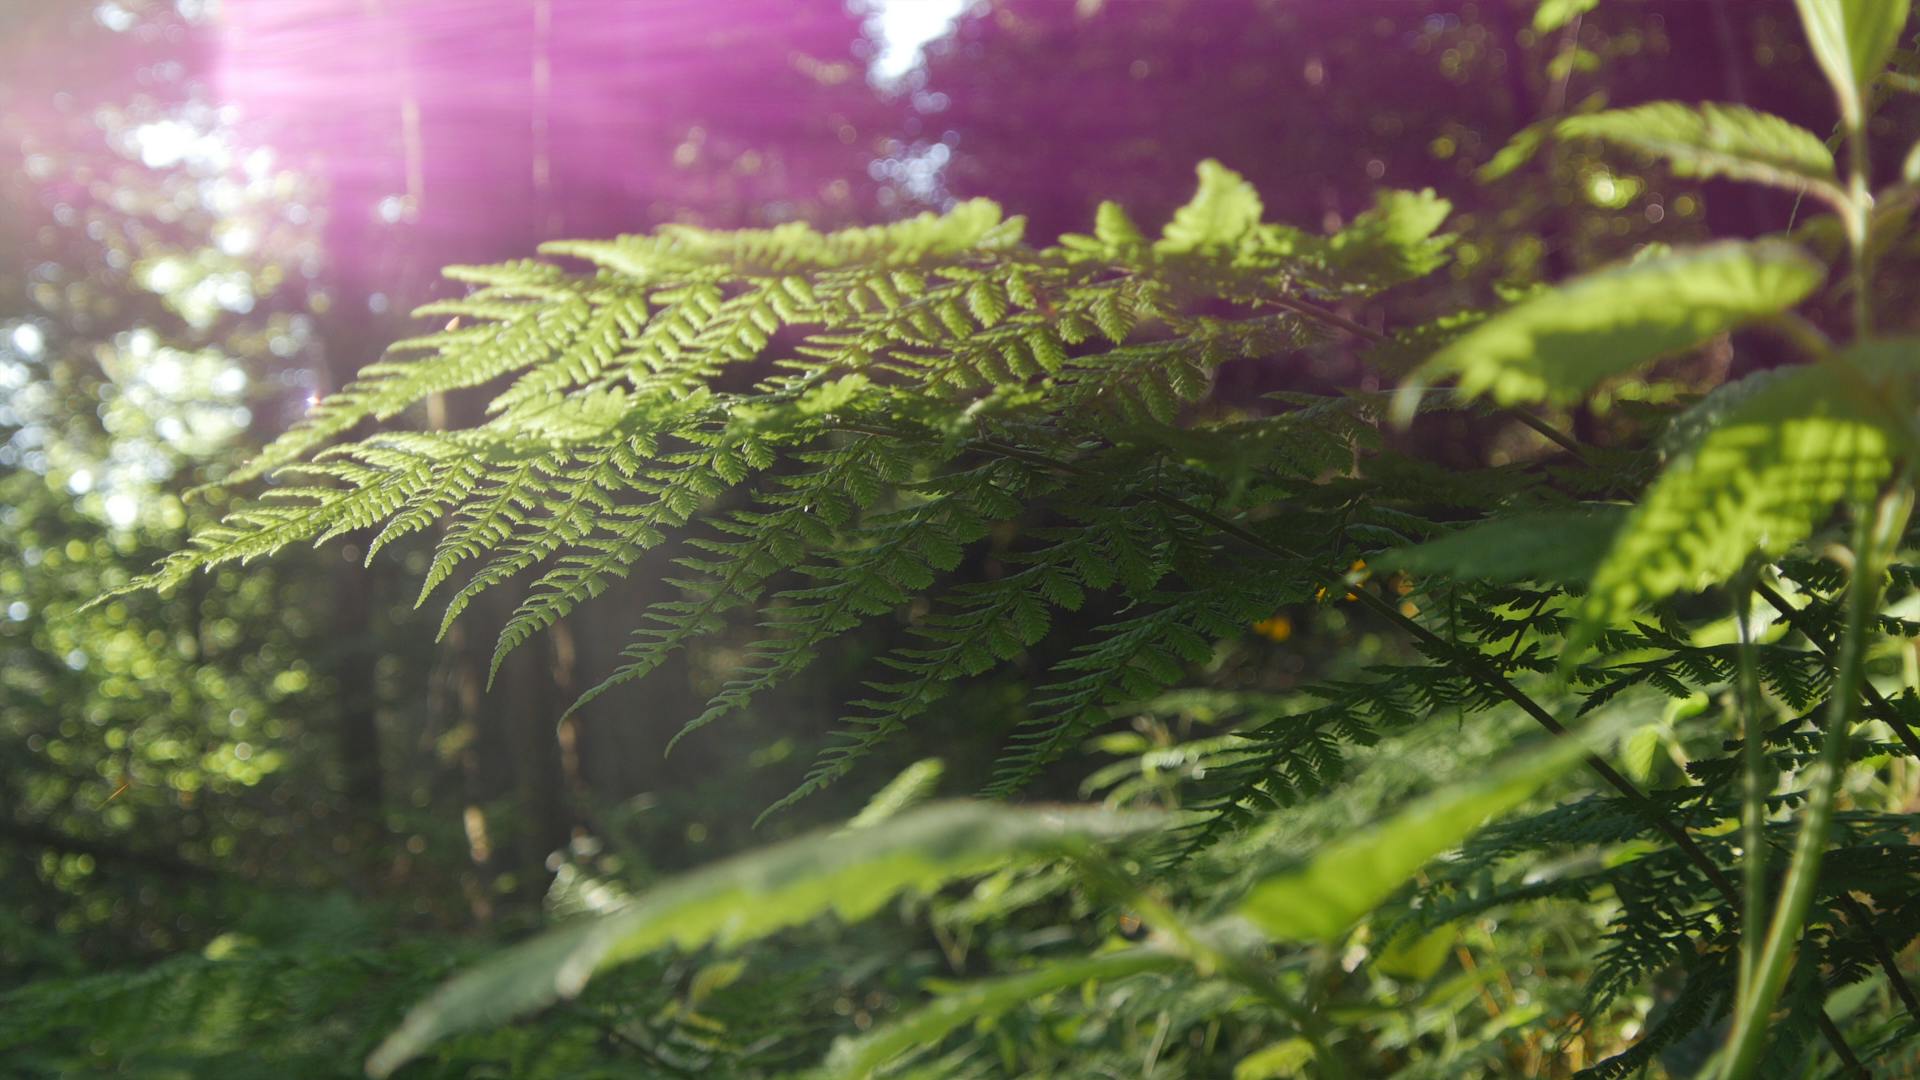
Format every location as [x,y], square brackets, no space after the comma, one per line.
[288,515]
[1134,658]
[620,316]
[485,521]
[901,552]
[773,542]
[972,629]
[594,481]
[612,536]
[385,388]
[453,469]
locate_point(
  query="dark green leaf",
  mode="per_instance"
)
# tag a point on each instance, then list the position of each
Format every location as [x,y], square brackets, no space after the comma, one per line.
[1560,546]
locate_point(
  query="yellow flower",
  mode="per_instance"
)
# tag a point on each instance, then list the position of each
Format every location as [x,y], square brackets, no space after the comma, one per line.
[1275,628]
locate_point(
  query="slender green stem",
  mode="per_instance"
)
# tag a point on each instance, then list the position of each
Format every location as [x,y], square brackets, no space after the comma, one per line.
[1756,784]
[1859,219]
[1876,535]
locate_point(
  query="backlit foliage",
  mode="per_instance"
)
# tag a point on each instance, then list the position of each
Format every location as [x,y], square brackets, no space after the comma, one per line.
[827,429]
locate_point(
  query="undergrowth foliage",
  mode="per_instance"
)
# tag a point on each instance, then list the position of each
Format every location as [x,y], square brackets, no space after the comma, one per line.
[823,428]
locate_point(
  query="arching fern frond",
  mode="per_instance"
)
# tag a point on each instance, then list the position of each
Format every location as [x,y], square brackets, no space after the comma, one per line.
[916,383]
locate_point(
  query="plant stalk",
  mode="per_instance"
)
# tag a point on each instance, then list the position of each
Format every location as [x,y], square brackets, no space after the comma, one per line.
[1876,535]
[1859,223]
[1757,782]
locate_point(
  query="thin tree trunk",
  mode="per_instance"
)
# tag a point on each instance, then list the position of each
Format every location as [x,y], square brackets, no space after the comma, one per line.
[346,347]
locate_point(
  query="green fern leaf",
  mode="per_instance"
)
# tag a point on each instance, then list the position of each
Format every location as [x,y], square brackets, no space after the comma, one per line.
[1222,211]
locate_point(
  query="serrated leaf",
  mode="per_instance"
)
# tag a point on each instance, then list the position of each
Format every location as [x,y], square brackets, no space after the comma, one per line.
[1224,209]
[1114,228]
[748,897]
[1395,240]
[1717,140]
[987,299]
[1047,350]
[1852,40]
[1772,470]
[954,319]
[1350,877]
[1112,317]
[1558,343]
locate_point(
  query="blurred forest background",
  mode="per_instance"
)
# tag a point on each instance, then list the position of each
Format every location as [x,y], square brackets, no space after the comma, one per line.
[216,210]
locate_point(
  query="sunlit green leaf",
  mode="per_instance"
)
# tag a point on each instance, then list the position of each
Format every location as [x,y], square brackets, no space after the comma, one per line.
[1223,210]
[1394,241]
[751,896]
[1717,140]
[1519,150]
[1352,876]
[1772,470]
[1557,344]
[1553,14]
[1852,39]
[1114,228]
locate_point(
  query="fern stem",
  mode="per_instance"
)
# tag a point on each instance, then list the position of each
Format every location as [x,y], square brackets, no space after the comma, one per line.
[1330,318]
[1875,536]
